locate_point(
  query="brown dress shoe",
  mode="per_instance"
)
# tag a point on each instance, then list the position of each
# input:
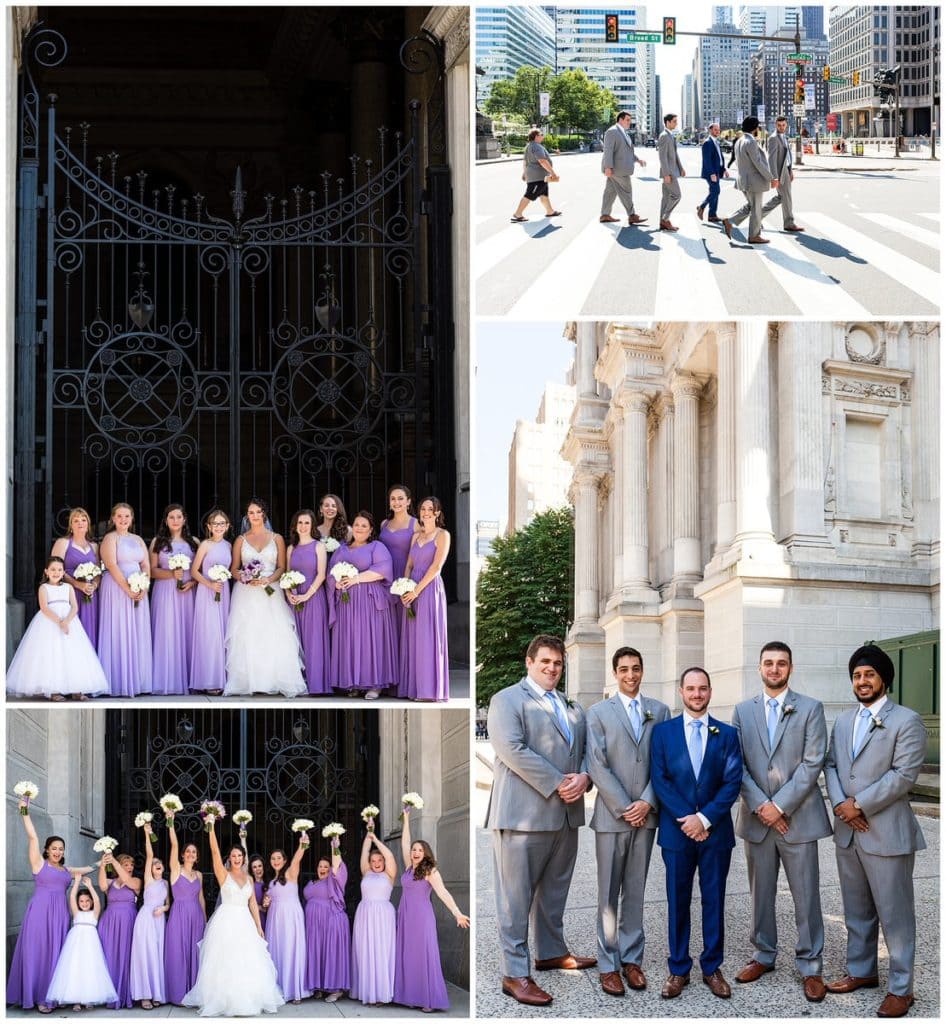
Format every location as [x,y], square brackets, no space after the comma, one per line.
[850,984]
[894,1006]
[634,219]
[665,225]
[525,990]
[611,983]
[635,977]
[699,211]
[717,984]
[674,985]
[568,962]
[727,227]
[607,219]
[714,220]
[814,988]
[794,228]
[753,971]
[758,240]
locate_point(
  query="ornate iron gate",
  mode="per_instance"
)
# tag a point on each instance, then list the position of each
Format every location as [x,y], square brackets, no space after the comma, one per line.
[165,352]
[279,765]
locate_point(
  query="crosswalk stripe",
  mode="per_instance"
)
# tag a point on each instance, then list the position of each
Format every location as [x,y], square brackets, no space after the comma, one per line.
[497,247]
[907,272]
[902,227]
[686,284]
[931,216]
[572,273]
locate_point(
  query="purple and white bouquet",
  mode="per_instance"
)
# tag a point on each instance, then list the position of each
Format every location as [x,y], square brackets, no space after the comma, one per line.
[334,831]
[26,791]
[138,583]
[85,571]
[289,581]
[405,585]
[142,819]
[179,561]
[302,826]
[344,571]
[409,800]
[170,803]
[253,570]
[368,814]
[219,574]
[105,845]
[210,811]
[242,818]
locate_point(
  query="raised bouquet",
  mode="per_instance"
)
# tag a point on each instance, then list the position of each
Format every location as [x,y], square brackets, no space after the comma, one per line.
[334,831]
[142,819]
[242,818]
[344,571]
[368,814]
[87,571]
[219,574]
[289,581]
[138,583]
[302,826]
[170,803]
[26,791]
[409,800]
[179,561]
[405,585]
[105,845]
[210,811]
[253,570]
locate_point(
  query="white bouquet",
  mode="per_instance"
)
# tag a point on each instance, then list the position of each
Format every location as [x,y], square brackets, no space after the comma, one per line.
[409,800]
[288,581]
[210,811]
[27,791]
[145,818]
[334,831]
[242,818]
[105,845]
[368,814]
[170,803]
[302,826]
[179,561]
[87,571]
[331,544]
[405,585]
[219,574]
[139,582]
[344,571]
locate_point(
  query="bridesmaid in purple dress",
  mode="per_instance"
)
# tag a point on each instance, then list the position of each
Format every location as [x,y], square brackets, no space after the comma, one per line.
[328,933]
[186,921]
[211,607]
[372,942]
[396,533]
[425,665]
[45,923]
[309,557]
[172,604]
[147,940]
[285,924]
[118,921]
[364,645]
[418,976]
[76,547]
[332,521]
[124,642]
[258,874]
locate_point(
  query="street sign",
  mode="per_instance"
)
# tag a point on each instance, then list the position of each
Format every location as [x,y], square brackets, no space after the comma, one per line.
[799,58]
[838,81]
[544,103]
[798,109]
[810,103]
[645,37]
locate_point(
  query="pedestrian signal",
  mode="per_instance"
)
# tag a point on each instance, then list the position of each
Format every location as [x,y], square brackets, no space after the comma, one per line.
[611,28]
[670,31]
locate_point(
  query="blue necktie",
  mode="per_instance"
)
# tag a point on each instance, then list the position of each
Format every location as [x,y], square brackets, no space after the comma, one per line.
[635,714]
[772,720]
[696,747]
[860,730]
[560,714]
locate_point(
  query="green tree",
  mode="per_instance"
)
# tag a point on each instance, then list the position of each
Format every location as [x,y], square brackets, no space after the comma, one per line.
[520,95]
[579,103]
[525,588]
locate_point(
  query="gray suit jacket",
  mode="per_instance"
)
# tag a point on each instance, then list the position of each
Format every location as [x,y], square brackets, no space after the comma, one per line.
[669,158]
[751,165]
[532,758]
[788,775]
[778,159]
[618,151]
[619,766]
[879,779]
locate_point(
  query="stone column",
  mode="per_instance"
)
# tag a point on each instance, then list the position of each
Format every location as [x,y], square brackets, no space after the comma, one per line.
[635,574]
[753,434]
[924,339]
[618,493]
[686,478]
[585,499]
[725,437]
[585,363]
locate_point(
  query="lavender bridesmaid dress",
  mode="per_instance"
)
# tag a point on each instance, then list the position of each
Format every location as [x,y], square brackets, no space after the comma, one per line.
[42,934]
[147,945]
[185,929]
[328,934]
[285,933]
[372,944]
[208,653]
[259,891]
[172,627]
[312,621]
[88,610]
[418,976]
[125,626]
[115,930]
[364,645]
[425,665]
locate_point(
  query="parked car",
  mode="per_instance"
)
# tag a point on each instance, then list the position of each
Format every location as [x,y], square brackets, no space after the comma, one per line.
[651,143]
[725,145]
[595,146]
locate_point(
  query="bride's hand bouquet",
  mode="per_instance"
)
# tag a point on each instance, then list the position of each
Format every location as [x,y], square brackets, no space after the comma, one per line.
[211,811]
[253,571]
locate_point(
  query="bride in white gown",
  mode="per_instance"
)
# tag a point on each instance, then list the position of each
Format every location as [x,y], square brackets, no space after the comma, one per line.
[237,976]
[263,651]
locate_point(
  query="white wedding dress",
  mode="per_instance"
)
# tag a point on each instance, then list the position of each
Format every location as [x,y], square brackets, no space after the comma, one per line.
[237,976]
[263,652]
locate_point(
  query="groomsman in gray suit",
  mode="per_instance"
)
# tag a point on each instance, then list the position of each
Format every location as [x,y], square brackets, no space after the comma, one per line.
[670,170]
[779,151]
[755,179]
[782,814]
[874,758]
[624,819]
[618,160]
[536,807]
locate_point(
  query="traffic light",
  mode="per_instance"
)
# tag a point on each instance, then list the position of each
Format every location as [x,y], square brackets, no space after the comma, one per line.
[856,78]
[799,90]
[611,32]
[670,31]
[825,73]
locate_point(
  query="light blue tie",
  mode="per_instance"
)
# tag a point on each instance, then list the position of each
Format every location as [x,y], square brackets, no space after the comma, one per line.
[560,714]
[635,719]
[860,730]
[772,720]
[696,747]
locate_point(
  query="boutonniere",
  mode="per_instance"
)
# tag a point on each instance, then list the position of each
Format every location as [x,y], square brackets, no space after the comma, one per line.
[571,703]
[648,716]
[875,723]
[787,709]
[713,730]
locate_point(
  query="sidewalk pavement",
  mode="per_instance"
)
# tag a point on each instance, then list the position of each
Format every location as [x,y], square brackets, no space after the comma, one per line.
[777,995]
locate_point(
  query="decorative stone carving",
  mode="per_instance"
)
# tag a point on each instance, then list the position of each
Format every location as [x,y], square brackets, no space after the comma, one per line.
[862,346]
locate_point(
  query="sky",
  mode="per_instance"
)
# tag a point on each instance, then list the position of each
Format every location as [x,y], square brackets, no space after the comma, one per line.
[513,363]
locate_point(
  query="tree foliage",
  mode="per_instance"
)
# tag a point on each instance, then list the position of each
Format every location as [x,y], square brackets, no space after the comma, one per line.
[575,102]
[520,96]
[526,587]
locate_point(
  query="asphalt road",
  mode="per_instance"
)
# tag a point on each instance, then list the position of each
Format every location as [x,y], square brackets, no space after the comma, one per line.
[870,249]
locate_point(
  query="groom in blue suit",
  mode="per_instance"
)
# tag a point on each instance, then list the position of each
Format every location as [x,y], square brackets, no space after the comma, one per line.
[696,774]
[713,171]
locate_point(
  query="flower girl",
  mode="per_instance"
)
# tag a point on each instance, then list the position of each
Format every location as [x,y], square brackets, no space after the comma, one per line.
[81,975]
[55,656]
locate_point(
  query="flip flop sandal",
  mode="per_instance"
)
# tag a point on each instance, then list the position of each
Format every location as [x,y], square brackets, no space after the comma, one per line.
[518,220]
